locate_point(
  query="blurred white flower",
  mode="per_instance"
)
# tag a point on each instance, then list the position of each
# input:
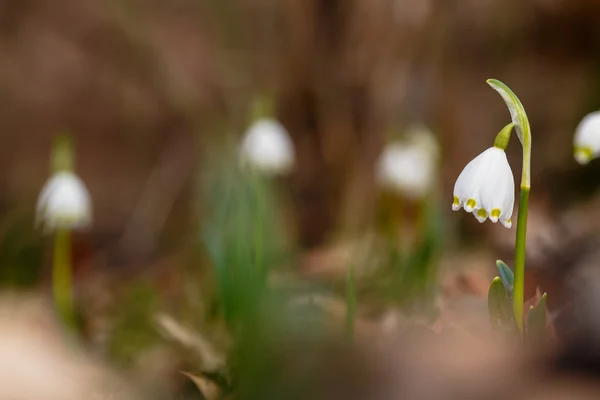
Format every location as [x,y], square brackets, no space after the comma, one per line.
[587,138]
[268,148]
[486,187]
[408,167]
[64,203]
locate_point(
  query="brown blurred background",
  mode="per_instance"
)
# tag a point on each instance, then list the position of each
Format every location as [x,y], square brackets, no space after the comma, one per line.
[141,83]
[146,86]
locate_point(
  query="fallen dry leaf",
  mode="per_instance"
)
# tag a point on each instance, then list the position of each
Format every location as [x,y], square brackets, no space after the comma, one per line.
[209,389]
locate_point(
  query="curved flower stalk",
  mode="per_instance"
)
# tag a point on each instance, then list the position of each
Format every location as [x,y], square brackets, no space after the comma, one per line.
[63,205]
[521,124]
[408,167]
[586,142]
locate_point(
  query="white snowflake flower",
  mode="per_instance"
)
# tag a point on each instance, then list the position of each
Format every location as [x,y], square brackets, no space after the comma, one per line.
[268,148]
[486,188]
[408,167]
[64,203]
[586,141]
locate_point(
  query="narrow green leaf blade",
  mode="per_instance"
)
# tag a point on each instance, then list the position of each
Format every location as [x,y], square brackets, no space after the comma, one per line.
[499,305]
[507,276]
[536,320]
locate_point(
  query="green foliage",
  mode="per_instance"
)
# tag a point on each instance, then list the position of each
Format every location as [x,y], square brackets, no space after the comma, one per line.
[507,276]
[501,315]
[243,239]
[21,253]
[133,329]
[536,321]
[414,272]
[350,302]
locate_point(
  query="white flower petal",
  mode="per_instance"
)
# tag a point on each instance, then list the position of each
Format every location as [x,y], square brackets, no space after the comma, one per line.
[64,202]
[268,148]
[467,185]
[480,214]
[587,138]
[456,204]
[498,189]
[486,187]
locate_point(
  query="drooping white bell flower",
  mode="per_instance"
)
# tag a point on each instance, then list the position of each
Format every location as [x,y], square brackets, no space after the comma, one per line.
[64,203]
[408,167]
[586,141]
[268,148]
[486,187]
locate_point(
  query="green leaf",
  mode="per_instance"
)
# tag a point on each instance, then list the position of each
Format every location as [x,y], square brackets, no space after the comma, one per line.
[536,320]
[499,306]
[507,276]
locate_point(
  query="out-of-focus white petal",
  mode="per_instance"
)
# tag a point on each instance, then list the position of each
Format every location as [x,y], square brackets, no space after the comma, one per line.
[408,168]
[586,141]
[64,202]
[486,187]
[268,148]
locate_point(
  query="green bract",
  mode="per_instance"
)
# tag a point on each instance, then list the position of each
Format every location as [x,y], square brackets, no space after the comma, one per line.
[521,123]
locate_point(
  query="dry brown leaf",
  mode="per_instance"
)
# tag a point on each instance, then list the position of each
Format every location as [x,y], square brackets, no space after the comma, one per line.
[208,388]
[211,359]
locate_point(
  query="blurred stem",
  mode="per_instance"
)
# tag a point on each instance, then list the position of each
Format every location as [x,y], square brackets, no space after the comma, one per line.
[350,303]
[62,282]
[262,107]
[519,288]
[259,228]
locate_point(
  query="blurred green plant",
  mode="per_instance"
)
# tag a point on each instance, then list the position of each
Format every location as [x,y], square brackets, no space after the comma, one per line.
[409,218]
[21,253]
[63,205]
[350,302]
[410,274]
[132,330]
[242,237]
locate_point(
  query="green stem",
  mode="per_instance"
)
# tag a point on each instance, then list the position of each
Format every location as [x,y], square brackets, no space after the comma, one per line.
[350,303]
[62,282]
[519,288]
